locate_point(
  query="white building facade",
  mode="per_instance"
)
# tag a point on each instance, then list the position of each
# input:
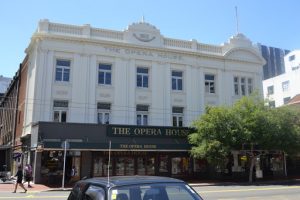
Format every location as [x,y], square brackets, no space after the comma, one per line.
[280,89]
[83,66]
[84,76]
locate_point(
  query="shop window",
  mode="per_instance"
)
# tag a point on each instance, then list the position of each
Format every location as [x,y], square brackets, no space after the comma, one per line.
[124,166]
[146,166]
[101,167]
[200,165]
[163,163]
[180,165]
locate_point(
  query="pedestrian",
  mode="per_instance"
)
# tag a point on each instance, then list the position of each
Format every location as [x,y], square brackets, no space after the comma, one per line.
[28,174]
[19,176]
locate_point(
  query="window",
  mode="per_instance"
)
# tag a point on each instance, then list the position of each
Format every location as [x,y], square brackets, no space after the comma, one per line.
[142,115]
[286,100]
[104,74]
[62,70]
[209,83]
[60,109]
[270,90]
[177,116]
[142,77]
[285,86]
[291,58]
[250,85]
[176,80]
[272,104]
[236,86]
[103,113]
[242,85]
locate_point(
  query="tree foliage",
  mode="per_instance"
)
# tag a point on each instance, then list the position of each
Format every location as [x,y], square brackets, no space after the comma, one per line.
[225,128]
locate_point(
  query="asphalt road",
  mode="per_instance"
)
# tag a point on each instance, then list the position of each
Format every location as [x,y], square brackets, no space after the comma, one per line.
[230,192]
[263,192]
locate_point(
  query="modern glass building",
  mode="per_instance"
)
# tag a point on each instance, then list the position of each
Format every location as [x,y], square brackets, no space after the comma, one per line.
[274,60]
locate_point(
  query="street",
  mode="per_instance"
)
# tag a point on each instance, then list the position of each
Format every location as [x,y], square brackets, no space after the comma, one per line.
[230,192]
[263,192]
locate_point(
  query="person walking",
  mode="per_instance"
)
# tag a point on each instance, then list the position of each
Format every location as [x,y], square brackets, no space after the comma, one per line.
[28,174]
[19,176]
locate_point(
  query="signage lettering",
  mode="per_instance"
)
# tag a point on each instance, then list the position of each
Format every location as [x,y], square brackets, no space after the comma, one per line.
[136,131]
[146,53]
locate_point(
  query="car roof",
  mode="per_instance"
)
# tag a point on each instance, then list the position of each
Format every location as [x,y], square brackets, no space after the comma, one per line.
[130,180]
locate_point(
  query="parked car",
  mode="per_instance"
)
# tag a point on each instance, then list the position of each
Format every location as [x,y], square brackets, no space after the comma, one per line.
[133,188]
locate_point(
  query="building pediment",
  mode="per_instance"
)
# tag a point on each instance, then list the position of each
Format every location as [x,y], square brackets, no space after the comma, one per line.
[245,54]
[143,33]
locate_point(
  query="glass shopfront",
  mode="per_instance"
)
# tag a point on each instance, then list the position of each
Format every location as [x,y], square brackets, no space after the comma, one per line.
[126,163]
[52,166]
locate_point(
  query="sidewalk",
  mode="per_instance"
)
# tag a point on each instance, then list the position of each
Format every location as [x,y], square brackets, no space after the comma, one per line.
[10,186]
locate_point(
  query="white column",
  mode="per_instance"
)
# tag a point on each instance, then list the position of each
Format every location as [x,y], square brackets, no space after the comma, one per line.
[79,83]
[158,88]
[92,74]
[167,95]
[193,95]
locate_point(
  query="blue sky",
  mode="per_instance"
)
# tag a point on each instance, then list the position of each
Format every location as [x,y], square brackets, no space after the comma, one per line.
[270,22]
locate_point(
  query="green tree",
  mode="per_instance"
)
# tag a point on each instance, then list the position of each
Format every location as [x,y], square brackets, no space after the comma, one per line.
[225,128]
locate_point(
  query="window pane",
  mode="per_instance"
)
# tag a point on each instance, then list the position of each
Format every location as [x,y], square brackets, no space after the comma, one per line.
[177,109]
[179,84]
[61,104]
[104,67]
[106,118]
[104,106]
[101,77]
[58,74]
[108,78]
[139,120]
[63,116]
[174,121]
[100,117]
[176,73]
[236,89]
[66,74]
[139,81]
[142,108]
[56,116]
[209,77]
[174,84]
[142,70]
[145,83]
[145,120]
[65,63]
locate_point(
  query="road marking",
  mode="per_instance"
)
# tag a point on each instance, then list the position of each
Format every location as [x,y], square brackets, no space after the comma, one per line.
[254,189]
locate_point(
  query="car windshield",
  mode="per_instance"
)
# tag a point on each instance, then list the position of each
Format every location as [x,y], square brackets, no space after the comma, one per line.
[168,191]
